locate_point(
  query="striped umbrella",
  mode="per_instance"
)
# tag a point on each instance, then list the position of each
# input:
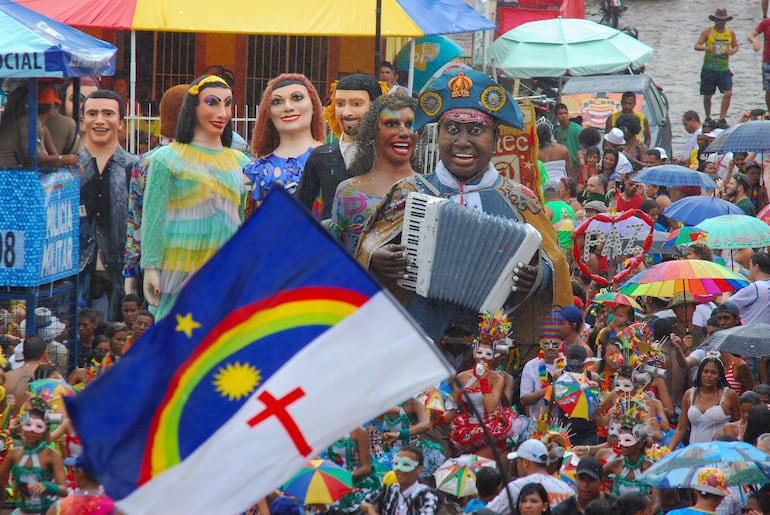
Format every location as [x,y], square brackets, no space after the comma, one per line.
[320,482]
[684,275]
[685,236]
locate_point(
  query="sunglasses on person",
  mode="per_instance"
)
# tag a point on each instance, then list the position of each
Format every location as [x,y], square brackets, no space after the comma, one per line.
[550,345]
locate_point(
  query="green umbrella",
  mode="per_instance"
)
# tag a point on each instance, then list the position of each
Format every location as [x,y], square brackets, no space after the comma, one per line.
[552,48]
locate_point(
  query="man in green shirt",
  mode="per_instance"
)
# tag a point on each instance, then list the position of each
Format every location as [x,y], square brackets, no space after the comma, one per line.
[566,133]
[737,188]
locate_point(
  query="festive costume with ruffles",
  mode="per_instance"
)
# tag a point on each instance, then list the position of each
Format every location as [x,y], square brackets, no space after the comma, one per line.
[467,434]
[193,204]
[86,504]
[265,172]
[24,475]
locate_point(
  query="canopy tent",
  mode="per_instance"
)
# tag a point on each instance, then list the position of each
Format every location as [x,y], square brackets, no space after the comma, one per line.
[388,18]
[36,46]
[409,18]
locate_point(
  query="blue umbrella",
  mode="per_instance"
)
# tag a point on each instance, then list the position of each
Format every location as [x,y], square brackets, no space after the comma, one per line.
[743,463]
[751,136]
[675,176]
[693,210]
[431,53]
[36,46]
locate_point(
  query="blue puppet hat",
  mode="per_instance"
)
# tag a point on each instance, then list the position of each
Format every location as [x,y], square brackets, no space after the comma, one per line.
[467,89]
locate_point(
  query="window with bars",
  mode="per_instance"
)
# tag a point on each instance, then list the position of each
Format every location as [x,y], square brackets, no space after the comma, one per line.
[269,56]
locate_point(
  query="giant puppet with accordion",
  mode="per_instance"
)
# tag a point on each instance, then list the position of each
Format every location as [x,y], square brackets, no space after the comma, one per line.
[464,239]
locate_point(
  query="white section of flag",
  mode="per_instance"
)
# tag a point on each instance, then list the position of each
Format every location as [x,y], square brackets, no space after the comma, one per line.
[356,370]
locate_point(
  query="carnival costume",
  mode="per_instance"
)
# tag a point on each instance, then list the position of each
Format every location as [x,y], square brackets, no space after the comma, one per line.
[30,474]
[467,433]
[265,172]
[473,96]
[193,204]
[433,455]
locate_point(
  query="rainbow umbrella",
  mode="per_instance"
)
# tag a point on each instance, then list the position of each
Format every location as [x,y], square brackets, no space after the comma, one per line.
[320,482]
[735,232]
[577,397]
[614,299]
[685,275]
[685,236]
[53,392]
[437,400]
[457,476]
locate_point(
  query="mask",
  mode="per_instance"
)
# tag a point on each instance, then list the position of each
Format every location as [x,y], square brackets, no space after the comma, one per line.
[624,384]
[404,464]
[35,425]
[626,440]
[484,353]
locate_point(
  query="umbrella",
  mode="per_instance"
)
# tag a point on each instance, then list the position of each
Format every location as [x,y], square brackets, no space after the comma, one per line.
[658,246]
[693,210]
[675,176]
[743,340]
[614,299]
[431,53]
[553,48]
[744,464]
[577,397]
[53,392]
[751,136]
[437,400]
[736,232]
[36,46]
[684,275]
[457,476]
[320,482]
[685,236]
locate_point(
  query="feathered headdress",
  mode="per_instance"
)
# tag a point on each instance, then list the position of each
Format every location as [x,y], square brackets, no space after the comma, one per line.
[493,327]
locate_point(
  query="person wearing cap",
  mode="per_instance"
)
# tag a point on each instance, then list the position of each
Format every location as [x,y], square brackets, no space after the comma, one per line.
[469,107]
[737,372]
[327,165]
[594,207]
[570,320]
[719,43]
[615,139]
[63,131]
[531,461]
[627,105]
[737,189]
[14,147]
[710,487]
[589,477]
[89,497]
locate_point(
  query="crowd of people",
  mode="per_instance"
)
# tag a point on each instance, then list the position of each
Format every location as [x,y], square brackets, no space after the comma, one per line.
[152,220]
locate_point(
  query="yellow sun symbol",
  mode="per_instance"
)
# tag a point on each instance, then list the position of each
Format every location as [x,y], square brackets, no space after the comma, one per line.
[236,381]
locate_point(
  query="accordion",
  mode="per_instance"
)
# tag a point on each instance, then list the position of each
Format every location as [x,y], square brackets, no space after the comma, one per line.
[462,255]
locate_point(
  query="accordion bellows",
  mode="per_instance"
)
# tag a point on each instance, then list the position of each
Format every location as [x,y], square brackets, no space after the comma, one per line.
[462,255]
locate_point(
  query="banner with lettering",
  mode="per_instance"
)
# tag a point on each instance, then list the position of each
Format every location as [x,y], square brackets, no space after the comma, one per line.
[38,227]
[516,153]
